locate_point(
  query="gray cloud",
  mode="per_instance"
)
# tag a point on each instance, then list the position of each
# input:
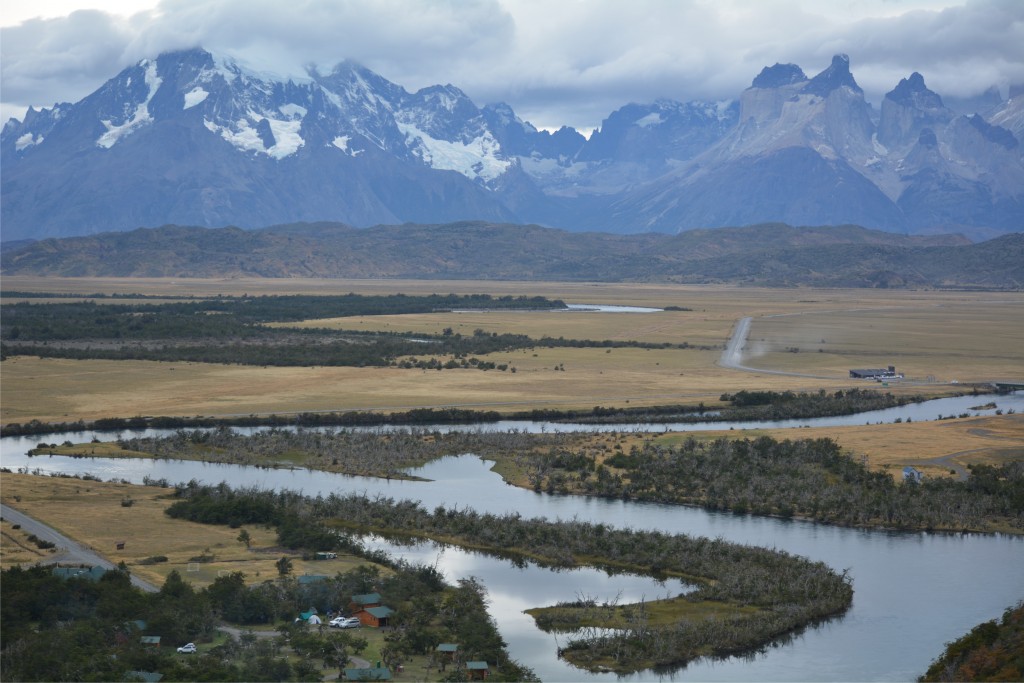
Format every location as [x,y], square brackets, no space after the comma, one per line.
[556,63]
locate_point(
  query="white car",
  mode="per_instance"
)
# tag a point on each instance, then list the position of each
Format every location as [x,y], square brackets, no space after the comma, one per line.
[344,622]
[187,649]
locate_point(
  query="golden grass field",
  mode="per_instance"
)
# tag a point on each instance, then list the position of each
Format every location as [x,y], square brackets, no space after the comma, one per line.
[932,336]
[938,449]
[91,513]
[947,335]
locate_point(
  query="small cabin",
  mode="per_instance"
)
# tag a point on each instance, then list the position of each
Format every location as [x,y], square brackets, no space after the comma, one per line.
[144,676]
[150,641]
[446,653]
[477,671]
[361,602]
[375,617]
[912,475]
[90,573]
[307,579]
[377,673]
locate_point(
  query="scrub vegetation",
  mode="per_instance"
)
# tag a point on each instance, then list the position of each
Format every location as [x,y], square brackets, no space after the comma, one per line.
[247,331]
[809,478]
[992,651]
[97,627]
[787,592]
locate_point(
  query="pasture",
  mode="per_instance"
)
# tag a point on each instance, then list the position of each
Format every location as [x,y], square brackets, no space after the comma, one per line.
[816,335]
[92,513]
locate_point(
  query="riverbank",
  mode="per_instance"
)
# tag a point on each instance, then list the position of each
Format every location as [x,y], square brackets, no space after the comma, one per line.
[848,476]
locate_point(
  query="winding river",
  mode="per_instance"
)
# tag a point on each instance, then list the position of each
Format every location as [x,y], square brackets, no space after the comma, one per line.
[913,591]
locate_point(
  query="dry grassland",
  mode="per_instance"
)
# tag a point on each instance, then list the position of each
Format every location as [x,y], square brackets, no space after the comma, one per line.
[974,342]
[91,513]
[936,448]
[16,549]
[62,390]
[862,328]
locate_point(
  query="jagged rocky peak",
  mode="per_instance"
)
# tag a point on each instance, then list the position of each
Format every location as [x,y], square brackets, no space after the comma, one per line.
[908,109]
[834,77]
[912,92]
[503,114]
[779,75]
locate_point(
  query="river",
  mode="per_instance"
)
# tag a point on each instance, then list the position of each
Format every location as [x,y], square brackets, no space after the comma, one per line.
[913,591]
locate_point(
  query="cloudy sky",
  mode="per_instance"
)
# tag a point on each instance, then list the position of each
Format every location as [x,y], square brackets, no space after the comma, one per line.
[557,62]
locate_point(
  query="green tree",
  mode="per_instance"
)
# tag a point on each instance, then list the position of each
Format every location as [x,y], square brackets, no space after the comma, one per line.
[244,537]
[284,566]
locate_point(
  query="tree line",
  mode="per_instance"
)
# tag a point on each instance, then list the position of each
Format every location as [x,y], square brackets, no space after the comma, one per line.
[809,478]
[788,591]
[237,330]
[991,651]
[839,403]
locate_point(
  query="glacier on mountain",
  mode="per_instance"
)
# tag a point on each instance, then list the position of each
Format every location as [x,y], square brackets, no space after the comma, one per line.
[195,96]
[141,115]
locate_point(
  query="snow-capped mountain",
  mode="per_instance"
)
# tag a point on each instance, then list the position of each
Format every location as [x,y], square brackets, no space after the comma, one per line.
[196,138]
[809,151]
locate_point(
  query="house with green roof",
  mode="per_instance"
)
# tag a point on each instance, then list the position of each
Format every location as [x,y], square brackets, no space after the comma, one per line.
[90,573]
[360,602]
[144,676]
[477,671]
[377,673]
[375,617]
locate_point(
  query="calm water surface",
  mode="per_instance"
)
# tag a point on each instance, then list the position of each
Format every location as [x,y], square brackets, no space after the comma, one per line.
[913,591]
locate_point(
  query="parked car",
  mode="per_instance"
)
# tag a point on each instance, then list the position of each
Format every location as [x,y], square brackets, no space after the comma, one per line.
[187,649]
[344,622]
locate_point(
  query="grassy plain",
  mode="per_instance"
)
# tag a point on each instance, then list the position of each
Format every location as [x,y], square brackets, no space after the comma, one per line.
[91,513]
[966,336]
[938,448]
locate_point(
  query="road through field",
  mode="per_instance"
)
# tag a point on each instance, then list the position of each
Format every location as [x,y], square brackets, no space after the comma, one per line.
[732,356]
[71,551]
[733,353]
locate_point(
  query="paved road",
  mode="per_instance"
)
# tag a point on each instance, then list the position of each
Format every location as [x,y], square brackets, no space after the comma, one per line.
[69,551]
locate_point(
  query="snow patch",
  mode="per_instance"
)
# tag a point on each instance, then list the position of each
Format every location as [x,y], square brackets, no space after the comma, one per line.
[878,146]
[195,96]
[27,140]
[651,120]
[141,116]
[341,143]
[477,159]
[292,111]
[244,136]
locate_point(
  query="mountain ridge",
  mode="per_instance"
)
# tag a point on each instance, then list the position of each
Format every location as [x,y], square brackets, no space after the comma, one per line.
[768,254]
[193,137]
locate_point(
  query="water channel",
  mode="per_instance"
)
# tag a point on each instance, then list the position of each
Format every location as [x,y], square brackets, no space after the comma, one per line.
[913,591]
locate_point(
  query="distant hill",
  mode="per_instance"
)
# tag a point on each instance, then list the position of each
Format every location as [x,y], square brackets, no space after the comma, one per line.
[767,254]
